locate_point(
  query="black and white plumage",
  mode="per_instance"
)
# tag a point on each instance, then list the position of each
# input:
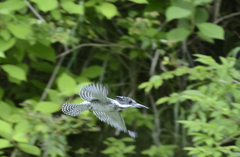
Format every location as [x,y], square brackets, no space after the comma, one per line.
[106,109]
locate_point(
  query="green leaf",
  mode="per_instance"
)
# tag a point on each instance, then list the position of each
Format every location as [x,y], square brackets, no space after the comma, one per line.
[5,34]
[204,37]
[128,139]
[15,118]
[143,85]
[6,44]
[162,100]
[2,55]
[201,15]
[20,131]
[47,5]
[156,80]
[30,149]
[211,30]
[11,5]
[14,71]
[72,8]
[21,31]
[54,96]
[108,10]
[66,84]
[5,129]
[193,93]
[129,149]
[42,51]
[56,14]
[21,127]
[139,1]
[176,13]
[178,34]
[5,110]
[92,71]
[20,137]
[238,143]
[201,2]
[5,143]
[47,107]
[43,66]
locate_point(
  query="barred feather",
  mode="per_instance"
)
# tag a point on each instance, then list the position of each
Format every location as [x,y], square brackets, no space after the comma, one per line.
[71,109]
[94,92]
[115,120]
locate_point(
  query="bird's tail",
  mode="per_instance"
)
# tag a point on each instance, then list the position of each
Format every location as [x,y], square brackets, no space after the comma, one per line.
[72,109]
[132,134]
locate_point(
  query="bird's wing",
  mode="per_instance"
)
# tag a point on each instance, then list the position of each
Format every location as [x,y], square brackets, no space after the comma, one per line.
[115,120]
[112,118]
[73,109]
[94,92]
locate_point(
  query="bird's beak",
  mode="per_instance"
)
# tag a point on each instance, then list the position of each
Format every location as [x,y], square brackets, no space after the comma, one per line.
[140,106]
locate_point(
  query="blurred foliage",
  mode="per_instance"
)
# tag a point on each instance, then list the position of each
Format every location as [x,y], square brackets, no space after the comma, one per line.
[49,49]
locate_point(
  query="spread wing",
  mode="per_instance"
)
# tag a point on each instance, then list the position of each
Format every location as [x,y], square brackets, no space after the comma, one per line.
[73,109]
[115,120]
[112,118]
[93,92]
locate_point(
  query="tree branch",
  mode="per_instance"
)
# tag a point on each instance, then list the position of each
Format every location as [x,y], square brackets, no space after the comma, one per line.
[217,6]
[226,17]
[52,78]
[93,44]
[34,11]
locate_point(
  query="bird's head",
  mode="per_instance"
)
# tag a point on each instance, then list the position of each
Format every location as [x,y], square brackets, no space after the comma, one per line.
[128,101]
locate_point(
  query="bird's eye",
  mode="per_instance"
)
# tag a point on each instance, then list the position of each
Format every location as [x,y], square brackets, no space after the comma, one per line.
[130,101]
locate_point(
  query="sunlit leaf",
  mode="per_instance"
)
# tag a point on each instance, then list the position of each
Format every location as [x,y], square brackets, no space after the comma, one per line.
[156,80]
[29,149]
[47,107]
[109,10]
[21,31]
[21,127]
[7,44]
[176,13]
[129,149]
[66,84]
[162,100]
[72,8]
[178,34]
[128,139]
[20,137]
[54,96]
[139,1]
[92,71]
[14,71]
[5,34]
[5,110]
[47,5]
[5,129]
[211,30]
[5,143]
[11,5]
[204,37]
[15,118]
[56,14]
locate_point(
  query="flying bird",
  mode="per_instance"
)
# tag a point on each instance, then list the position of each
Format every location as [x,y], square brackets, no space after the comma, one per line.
[106,109]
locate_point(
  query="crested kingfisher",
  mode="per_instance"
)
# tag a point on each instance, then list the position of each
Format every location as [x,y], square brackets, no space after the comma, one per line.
[106,109]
